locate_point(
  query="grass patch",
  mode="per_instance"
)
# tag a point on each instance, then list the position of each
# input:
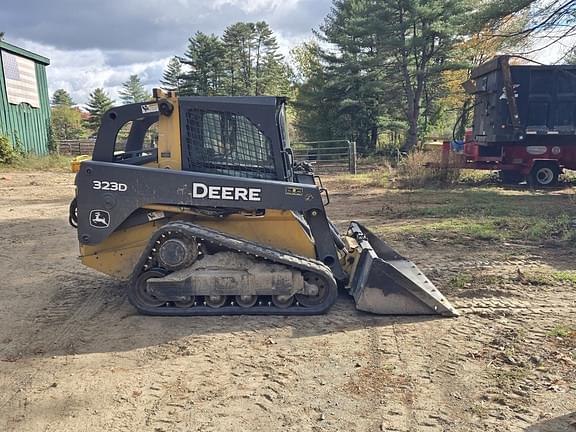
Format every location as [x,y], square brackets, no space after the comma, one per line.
[508,378]
[546,278]
[480,214]
[478,409]
[374,178]
[479,202]
[559,228]
[565,276]
[467,280]
[51,162]
[377,178]
[561,331]
[463,229]
[477,177]
[536,279]
[460,281]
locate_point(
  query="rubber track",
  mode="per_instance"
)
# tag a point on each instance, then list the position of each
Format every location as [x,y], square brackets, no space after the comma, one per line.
[239,245]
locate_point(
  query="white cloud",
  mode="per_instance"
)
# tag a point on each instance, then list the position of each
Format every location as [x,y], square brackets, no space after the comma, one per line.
[81,71]
[260,6]
[99,44]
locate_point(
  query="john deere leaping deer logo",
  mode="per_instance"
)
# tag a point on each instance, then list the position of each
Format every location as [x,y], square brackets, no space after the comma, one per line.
[99,218]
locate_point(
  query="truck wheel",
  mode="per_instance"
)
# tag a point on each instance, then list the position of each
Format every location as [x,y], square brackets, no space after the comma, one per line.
[511,177]
[544,174]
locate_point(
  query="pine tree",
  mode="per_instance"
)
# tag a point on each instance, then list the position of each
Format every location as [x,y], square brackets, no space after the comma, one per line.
[98,104]
[62,98]
[239,41]
[253,64]
[386,60]
[172,76]
[133,91]
[204,57]
[271,73]
[244,61]
[317,117]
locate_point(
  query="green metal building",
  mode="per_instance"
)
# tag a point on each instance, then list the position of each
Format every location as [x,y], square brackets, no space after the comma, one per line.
[24,99]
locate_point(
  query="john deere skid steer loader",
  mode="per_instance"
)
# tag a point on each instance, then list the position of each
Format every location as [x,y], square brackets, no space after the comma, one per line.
[217,219]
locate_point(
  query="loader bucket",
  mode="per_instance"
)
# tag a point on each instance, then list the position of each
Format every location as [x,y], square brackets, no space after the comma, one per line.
[386,283]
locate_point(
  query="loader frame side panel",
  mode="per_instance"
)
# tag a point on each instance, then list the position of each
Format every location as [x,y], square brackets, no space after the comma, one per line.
[128,188]
[119,253]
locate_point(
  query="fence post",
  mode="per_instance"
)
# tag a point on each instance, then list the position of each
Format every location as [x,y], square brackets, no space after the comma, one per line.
[352,157]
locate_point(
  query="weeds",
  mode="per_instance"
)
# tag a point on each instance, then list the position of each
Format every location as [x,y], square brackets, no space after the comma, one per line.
[413,173]
[460,281]
[52,162]
[561,331]
[568,177]
[467,280]
[464,229]
[477,177]
[14,158]
[535,279]
[478,409]
[546,278]
[462,215]
[508,378]
[565,276]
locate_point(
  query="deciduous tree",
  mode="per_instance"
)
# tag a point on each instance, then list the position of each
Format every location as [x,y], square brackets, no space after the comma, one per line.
[67,123]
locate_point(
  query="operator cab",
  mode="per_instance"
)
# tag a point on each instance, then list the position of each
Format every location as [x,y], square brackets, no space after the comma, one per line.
[244,136]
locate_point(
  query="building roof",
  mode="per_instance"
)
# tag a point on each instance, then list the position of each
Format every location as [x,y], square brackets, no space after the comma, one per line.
[24,53]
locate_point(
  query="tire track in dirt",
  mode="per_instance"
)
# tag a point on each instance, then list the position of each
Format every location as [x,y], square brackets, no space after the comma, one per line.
[438,363]
[468,337]
[68,320]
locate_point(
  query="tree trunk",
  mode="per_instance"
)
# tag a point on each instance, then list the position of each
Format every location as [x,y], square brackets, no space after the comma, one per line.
[373,139]
[412,133]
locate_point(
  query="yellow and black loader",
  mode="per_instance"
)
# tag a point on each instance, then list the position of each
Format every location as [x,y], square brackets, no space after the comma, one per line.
[215,217]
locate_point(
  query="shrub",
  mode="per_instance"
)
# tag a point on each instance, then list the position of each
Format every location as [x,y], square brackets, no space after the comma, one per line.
[413,172]
[8,153]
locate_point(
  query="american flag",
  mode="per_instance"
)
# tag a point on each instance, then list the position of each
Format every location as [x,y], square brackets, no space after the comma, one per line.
[20,77]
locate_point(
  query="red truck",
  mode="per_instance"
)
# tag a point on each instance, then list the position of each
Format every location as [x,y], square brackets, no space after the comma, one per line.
[524,122]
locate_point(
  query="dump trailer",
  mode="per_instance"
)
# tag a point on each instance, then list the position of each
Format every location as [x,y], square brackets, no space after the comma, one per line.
[212,217]
[524,122]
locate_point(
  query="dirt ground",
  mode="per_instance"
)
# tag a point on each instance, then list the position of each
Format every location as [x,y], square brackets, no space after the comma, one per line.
[74,355]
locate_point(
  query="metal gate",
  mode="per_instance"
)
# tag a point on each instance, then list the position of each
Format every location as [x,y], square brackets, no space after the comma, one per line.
[327,156]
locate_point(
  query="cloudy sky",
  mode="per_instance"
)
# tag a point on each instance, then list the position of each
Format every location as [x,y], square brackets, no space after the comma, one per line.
[100,43]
